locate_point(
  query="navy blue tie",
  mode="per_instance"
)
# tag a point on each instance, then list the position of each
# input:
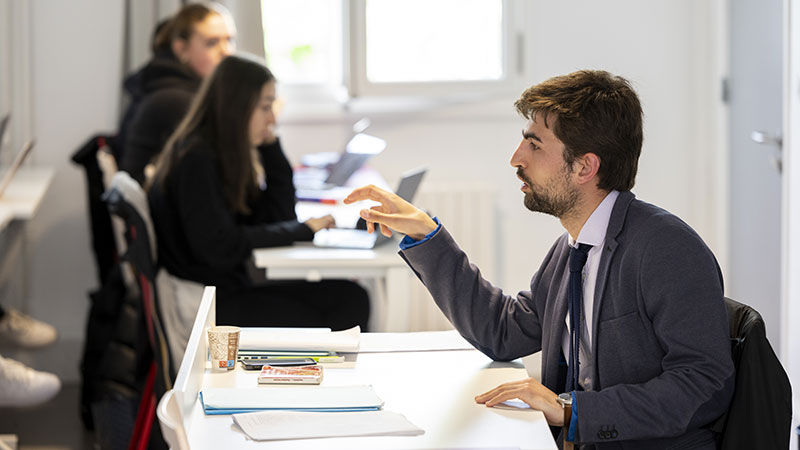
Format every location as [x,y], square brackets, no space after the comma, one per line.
[577,259]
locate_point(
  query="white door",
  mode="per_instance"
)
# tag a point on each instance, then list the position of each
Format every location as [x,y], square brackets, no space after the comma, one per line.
[756,114]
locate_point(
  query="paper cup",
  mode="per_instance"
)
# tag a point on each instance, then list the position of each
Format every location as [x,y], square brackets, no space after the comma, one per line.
[223,347]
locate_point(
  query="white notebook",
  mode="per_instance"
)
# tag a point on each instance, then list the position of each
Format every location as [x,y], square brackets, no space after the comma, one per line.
[280,425]
[303,398]
[300,339]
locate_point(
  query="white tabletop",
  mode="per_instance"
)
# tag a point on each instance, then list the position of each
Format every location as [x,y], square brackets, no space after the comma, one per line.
[301,256]
[25,193]
[434,390]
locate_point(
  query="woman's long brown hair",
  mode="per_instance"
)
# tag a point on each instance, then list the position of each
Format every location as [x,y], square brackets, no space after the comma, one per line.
[220,115]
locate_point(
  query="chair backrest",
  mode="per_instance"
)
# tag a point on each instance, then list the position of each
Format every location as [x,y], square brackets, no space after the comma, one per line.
[127,200]
[760,412]
[135,209]
[103,242]
[171,419]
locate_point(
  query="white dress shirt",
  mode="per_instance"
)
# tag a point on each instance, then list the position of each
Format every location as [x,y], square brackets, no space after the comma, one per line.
[593,233]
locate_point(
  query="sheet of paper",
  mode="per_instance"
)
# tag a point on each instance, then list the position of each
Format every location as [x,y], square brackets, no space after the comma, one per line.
[346,341]
[413,342]
[291,397]
[279,425]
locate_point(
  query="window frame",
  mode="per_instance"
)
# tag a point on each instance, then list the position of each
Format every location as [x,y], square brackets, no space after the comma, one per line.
[355,89]
[358,85]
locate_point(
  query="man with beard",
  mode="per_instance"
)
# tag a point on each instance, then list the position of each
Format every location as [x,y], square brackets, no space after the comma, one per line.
[627,307]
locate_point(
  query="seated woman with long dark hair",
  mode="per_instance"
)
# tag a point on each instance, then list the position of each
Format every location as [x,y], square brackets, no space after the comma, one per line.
[218,194]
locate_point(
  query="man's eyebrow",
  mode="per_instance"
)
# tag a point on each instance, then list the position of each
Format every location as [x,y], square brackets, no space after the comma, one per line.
[530,135]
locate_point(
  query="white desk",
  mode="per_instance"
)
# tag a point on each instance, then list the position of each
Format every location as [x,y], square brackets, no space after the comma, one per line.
[24,195]
[392,278]
[434,390]
[19,204]
[390,307]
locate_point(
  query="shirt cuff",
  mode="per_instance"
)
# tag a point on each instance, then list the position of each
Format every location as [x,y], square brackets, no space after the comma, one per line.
[573,421]
[409,242]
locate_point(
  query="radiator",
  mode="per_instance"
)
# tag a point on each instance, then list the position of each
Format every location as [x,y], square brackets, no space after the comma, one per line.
[468,211]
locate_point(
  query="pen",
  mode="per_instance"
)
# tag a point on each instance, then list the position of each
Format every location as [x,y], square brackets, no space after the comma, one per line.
[326,201]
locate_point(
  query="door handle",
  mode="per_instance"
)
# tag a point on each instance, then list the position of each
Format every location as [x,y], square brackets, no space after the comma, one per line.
[764,138]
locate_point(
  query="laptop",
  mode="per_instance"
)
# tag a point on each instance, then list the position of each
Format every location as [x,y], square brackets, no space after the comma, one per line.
[18,160]
[359,237]
[358,150]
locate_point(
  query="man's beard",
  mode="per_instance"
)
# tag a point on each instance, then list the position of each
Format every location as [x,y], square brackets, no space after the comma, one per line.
[549,200]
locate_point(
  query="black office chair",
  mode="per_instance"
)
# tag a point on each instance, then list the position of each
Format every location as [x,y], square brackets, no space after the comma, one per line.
[126,199]
[760,412]
[102,235]
[107,300]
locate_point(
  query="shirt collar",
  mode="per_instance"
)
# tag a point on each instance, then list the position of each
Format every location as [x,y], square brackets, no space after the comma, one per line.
[593,231]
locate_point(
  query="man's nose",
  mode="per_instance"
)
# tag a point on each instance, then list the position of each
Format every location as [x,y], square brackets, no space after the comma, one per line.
[516,161]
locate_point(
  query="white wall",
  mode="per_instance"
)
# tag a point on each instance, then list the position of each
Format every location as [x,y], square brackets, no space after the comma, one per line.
[76,70]
[666,48]
[663,47]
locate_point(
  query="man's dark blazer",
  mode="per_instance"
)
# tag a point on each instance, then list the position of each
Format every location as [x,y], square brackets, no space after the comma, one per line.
[662,363]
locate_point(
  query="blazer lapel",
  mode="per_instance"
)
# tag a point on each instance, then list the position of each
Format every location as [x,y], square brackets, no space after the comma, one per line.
[551,340]
[615,225]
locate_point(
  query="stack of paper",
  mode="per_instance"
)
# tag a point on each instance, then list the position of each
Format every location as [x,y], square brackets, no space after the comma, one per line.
[298,398]
[300,339]
[420,341]
[278,425]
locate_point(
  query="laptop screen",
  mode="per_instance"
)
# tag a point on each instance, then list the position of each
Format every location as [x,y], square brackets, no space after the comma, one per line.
[360,148]
[409,184]
[407,188]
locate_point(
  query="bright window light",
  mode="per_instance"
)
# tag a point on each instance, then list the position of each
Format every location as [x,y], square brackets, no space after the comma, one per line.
[303,40]
[441,40]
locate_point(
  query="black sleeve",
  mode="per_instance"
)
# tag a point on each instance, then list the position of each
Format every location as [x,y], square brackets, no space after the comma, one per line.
[211,229]
[157,117]
[276,203]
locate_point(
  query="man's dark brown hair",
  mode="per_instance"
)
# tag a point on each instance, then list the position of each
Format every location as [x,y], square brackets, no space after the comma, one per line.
[592,111]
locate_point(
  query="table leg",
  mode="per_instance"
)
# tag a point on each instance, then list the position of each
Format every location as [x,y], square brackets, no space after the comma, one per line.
[398,291]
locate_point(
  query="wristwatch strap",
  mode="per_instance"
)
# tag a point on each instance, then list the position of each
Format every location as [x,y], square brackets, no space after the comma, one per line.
[568,445]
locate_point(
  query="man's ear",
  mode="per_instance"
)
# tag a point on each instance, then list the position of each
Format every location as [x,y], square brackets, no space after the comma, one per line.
[588,166]
[179,49]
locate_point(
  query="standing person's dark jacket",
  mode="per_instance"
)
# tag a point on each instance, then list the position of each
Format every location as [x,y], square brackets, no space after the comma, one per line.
[209,243]
[161,93]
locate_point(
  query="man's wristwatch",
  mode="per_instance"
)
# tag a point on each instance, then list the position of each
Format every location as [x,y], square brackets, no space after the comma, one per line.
[565,400]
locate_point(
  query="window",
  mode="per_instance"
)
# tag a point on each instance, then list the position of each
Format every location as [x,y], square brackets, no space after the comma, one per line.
[303,43]
[391,48]
[442,40]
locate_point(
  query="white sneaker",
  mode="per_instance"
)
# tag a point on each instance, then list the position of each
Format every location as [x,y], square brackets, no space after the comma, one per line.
[25,331]
[22,386]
